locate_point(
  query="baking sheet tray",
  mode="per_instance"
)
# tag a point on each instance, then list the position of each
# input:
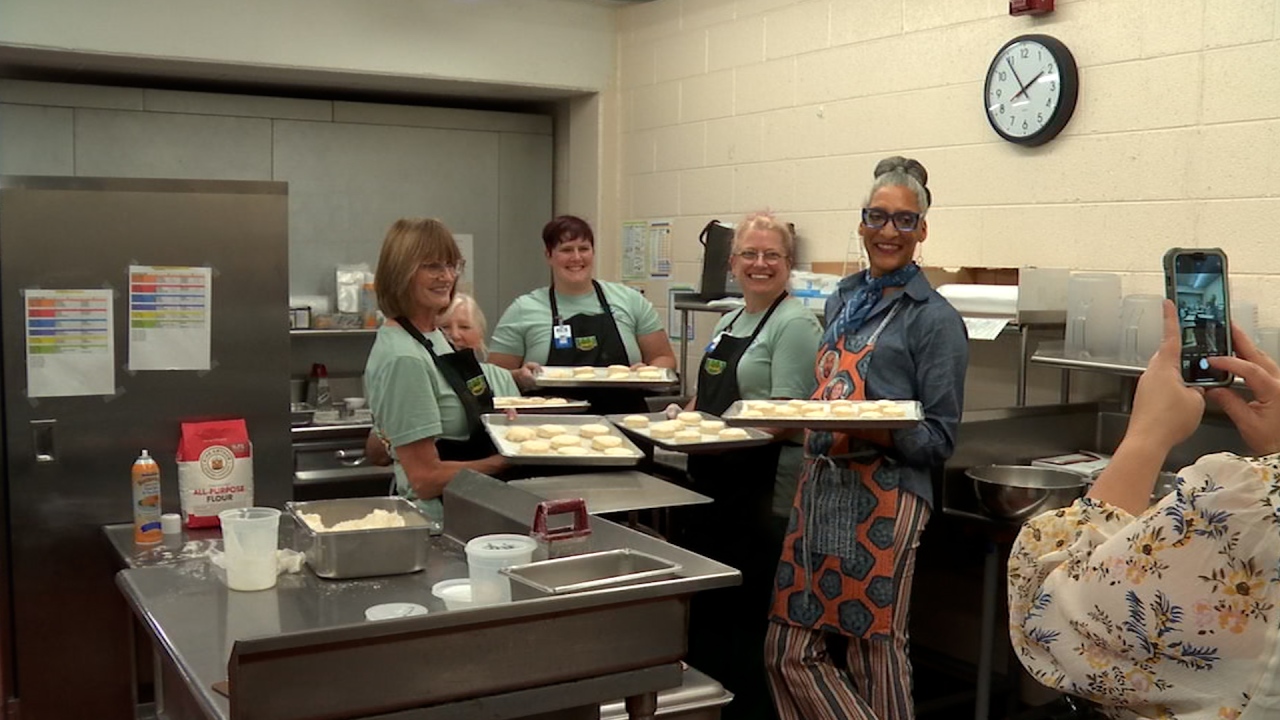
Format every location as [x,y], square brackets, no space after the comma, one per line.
[497,424]
[541,405]
[733,416]
[562,376]
[709,444]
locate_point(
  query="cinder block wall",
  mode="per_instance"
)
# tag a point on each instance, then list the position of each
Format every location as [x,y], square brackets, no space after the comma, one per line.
[733,106]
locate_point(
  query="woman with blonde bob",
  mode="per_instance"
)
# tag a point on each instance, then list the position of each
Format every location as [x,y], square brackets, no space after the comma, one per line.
[426,394]
[764,351]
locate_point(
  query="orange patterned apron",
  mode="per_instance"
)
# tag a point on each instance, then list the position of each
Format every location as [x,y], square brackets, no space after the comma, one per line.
[836,571]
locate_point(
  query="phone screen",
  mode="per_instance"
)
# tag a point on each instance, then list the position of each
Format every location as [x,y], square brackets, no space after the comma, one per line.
[1200,284]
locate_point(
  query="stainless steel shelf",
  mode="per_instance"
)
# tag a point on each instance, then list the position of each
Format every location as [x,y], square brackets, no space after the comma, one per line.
[333,332]
[1054,356]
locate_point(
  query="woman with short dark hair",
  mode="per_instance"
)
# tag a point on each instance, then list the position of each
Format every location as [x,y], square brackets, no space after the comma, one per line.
[580,321]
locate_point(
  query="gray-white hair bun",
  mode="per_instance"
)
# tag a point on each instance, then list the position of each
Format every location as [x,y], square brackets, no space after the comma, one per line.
[907,166]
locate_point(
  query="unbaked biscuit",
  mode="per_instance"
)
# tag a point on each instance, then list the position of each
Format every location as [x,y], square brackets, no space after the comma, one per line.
[689,418]
[894,411]
[786,411]
[751,414]
[654,374]
[521,433]
[550,431]
[604,442]
[593,430]
[662,430]
[711,427]
[572,450]
[844,411]
[636,421]
[618,368]
[565,440]
[796,403]
[733,433]
[683,436]
[535,447]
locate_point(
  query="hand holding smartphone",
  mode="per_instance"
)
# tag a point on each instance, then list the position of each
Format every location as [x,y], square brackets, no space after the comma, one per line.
[1195,280]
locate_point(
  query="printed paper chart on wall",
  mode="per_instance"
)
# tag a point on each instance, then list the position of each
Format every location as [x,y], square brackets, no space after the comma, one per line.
[170,318]
[70,344]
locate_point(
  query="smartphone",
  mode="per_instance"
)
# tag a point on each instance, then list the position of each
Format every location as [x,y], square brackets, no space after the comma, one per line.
[1195,280]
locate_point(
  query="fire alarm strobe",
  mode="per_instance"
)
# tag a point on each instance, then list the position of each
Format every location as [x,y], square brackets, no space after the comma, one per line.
[1030,7]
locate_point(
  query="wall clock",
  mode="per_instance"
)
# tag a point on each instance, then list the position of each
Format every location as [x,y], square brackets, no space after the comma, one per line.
[1031,89]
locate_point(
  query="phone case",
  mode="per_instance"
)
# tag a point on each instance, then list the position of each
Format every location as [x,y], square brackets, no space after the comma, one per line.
[1171,292]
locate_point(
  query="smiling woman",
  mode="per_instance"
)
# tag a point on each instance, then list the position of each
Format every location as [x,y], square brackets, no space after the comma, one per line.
[426,394]
[579,321]
[864,497]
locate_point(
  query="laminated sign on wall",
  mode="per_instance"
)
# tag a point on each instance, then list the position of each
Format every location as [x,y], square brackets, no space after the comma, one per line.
[170,318]
[70,343]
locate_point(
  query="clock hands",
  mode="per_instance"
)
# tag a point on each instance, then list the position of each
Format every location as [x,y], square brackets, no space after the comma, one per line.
[1023,91]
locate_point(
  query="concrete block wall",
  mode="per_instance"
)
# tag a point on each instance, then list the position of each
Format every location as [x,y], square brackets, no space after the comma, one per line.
[732,106]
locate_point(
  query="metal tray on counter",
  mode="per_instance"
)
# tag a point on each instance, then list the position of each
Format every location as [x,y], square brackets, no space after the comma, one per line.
[589,571]
[561,376]
[541,405]
[497,425]
[361,553]
[708,444]
[734,416]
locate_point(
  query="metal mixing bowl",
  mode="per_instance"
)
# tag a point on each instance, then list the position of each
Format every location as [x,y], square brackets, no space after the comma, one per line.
[1016,492]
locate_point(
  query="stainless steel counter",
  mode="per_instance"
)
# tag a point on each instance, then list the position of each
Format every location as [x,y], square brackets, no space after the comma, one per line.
[303,649]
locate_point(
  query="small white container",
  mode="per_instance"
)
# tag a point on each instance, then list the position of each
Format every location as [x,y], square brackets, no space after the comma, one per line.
[488,554]
[456,594]
[392,611]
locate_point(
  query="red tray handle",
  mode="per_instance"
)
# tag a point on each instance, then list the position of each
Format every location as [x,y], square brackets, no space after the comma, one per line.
[581,523]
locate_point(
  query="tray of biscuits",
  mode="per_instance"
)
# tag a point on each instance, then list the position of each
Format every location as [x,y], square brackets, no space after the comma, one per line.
[689,432]
[825,414]
[537,404]
[560,440]
[644,376]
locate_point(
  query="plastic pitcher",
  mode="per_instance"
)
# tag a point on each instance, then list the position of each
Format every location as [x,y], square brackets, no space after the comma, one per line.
[488,554]
[1093,315]
[249,539]
[1141,328]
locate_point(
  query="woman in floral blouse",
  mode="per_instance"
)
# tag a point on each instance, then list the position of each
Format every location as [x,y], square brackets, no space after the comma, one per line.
[1169,611]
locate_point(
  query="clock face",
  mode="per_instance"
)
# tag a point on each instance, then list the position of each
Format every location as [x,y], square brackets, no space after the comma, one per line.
[1031,89]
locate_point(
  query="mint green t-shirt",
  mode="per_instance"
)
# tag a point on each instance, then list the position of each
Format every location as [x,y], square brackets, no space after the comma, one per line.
[779,364]
[525,327]
[411,400]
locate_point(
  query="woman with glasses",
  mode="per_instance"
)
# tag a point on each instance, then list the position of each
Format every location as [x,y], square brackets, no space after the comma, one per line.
[765,350]
[580,321]
[464,325]
[843,583]
[427,395]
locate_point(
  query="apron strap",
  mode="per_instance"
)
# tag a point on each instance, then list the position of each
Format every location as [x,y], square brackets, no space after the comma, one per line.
[555,307]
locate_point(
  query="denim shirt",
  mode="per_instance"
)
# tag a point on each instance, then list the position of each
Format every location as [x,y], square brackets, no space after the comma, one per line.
[922,354]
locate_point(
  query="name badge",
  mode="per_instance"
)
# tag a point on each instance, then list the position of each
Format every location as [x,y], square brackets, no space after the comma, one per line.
[562,335]
[711,346]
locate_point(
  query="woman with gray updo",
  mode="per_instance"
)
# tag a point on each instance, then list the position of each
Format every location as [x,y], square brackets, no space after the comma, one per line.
[864,496]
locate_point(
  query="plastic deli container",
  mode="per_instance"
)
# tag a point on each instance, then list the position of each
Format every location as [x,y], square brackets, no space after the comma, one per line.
[486,555]
[456,594]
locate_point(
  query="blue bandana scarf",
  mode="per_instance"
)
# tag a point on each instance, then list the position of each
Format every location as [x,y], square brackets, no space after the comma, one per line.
[858,303]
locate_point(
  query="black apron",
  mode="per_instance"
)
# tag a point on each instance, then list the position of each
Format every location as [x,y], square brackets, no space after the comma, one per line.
[594,341]
[727,628]
[462,372]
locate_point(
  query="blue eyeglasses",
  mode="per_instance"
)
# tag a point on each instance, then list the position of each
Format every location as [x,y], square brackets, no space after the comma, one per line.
[903,220]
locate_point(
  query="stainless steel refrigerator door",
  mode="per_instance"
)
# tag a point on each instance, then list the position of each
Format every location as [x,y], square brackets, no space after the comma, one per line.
[70,624]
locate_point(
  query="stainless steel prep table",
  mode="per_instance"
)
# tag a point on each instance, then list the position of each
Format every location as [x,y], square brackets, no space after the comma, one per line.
[303,648]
